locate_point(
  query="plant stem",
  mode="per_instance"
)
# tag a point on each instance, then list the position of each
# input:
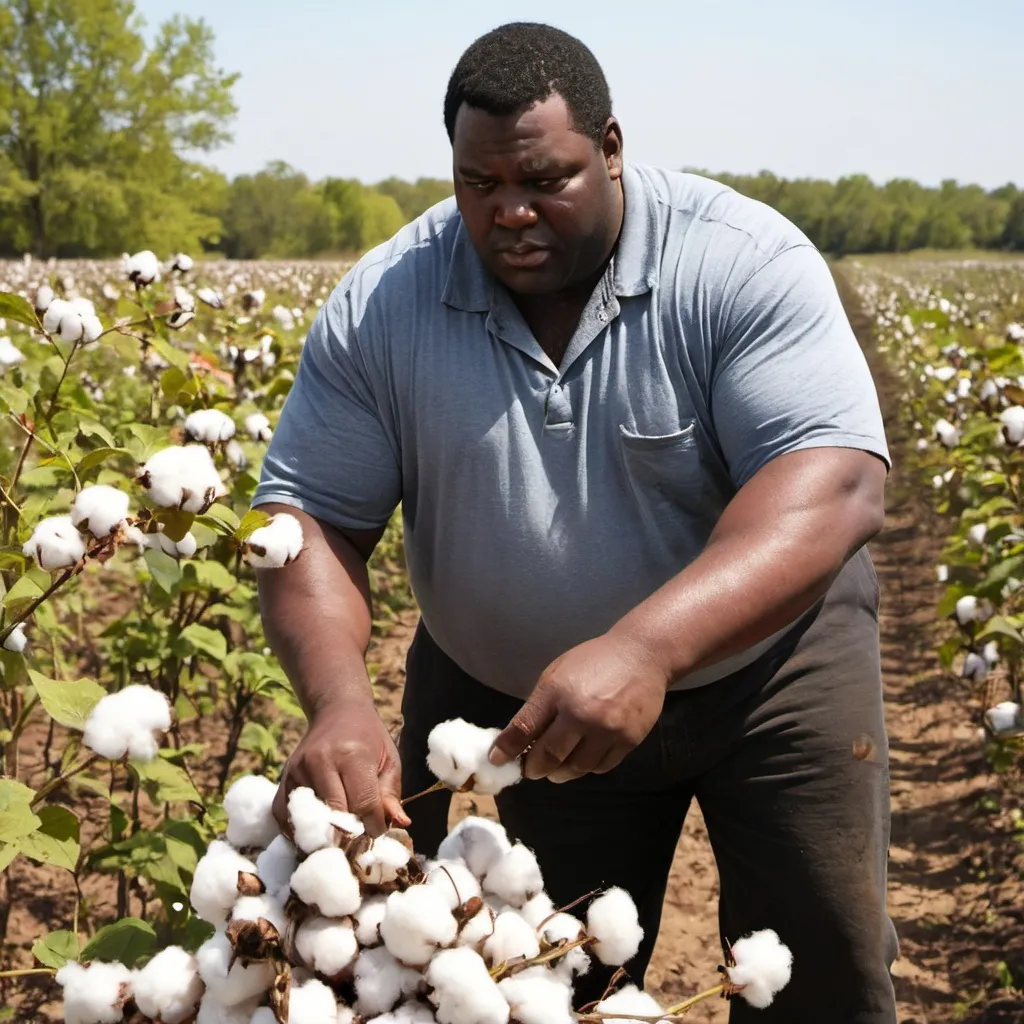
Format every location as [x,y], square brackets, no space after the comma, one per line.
[694,1000]
[669,1015]
[435,788]
[25,973]
[74,770]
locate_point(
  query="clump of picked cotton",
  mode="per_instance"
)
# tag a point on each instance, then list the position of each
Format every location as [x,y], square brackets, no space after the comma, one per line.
[762,967]
[458,754]
[228,980]
[613,924]
[382,862]
[463,990]
[100,509]
[10,354]
[512,937]
[16,641]
[479,842]
[276,865]
[249,805]
[381,982]
[566,929]
[629,1000]
[324,881]
[326,946]
[182,477]
[94,994]
[454,880]
[1004,717]
[128,722]
[315,824]
[55,544]
[168,988]
[276,543]
[367,920]
[417,923]
[216,884]
[537,997]
[516,877]
[184,309]
[258,426]
[142,269]
[210,426]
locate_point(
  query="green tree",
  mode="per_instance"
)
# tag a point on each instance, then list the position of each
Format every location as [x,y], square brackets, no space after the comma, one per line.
[416,197]
[94,124]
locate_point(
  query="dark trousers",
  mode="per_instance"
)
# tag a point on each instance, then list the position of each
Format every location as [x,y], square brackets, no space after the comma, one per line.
[788,760]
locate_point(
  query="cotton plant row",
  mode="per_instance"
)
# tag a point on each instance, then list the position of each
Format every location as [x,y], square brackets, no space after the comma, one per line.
[953,337]
[325,925]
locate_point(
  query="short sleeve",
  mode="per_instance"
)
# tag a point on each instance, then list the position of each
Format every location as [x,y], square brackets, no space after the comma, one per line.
[331,454]
[789,373]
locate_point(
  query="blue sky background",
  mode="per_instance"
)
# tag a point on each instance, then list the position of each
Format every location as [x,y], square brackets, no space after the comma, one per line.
[927,89]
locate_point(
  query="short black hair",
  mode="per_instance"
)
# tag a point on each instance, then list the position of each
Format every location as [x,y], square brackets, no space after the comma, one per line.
[522,63]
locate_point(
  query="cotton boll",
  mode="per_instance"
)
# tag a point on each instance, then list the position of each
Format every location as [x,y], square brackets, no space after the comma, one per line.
[100,509]
[381,982]
[512,937]
[990,653]
[92,328]
[538,998]
[454,880]
[567,929]
[312,1002]
[942,573]
[267,907]
[538,909]
[169,986]
[966,609]
[215,881]
[43,298]
[975,667]
[368,919]
[276,865]
[211,297]
[182,476]
[315,824]
[613,923]
[212,1012]
[479,842]
[94,994]
[142,269]
[263,1015]
[516,877]
[763,966]
[184,548]
[416,924]
[324,880]
[258,426]
[463,990]
[209,426]
[630,1000]
[976,534]
[55,544]
[182,263]
[477,930]
[249,805]
[947,433]
[275,544]
[326,946]
[1004,717]
[457,753]
[382,862]
[412,1012]
[10,354]
[128,722]
[16,641]
[240,983]
[1012,420]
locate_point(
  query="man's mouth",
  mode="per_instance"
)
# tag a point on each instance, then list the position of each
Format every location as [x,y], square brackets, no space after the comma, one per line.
[524,255]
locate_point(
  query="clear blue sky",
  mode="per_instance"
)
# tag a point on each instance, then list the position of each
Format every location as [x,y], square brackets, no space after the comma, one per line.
[927,89]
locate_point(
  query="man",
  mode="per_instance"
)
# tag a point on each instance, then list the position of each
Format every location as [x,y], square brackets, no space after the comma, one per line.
[638,453]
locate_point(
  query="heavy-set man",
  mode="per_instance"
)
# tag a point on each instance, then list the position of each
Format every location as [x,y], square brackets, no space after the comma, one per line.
[638,453]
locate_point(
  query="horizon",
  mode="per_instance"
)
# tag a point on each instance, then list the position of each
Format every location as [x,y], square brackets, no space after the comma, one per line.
[801,106]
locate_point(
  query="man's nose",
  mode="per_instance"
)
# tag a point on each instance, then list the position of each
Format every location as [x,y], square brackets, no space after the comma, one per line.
[515,214]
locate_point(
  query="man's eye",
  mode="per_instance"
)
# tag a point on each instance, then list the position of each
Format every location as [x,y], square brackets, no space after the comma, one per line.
[479,186]
[551,184]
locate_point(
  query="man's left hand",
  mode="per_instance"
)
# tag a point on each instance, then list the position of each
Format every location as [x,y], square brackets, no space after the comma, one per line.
[590,708]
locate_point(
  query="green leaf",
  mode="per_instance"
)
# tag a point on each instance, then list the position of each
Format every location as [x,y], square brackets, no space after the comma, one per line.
[17,819]
[165,570]
[8,851]
[176,524]
[14,307]
[224,515]
[97,457]
[214,574]
[252,520]
[206,641]
[69,704]
[165,782]
[24,592]
[258,739]
[56,840]
[56,949]
[1000,626]
[11,558]
[172,381]
[127,941]
[93,428]
[16,399]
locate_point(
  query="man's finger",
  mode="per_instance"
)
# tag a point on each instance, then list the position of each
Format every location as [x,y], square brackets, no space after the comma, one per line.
[390,784]
[583,760]
[364,799]
[551,749]
[531,720]
[280,805]
[612,759]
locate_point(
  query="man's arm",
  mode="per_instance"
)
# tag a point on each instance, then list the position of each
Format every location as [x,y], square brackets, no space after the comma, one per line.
[317,617]
[778,546]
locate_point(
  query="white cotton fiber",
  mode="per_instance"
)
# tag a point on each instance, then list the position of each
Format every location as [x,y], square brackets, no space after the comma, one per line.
[324,880]
[416,924]
[454,880]
[212,1012]
[537,910]
[382,982]
[566,928]
[412,1012]
[312,1002]
[55,544]
[326,946]
[94,994]
[630,1000]
[100,509]
[237,985]
[536,997]
[127,722]
[516,877]
[1004,716]
[613,922]
[368,919]
[382,862]
[276,865]
[215,881]
[275,544]
[209,425]
[463,990]
[315,824]
[249,806]
[479,842]
[182,476]
[477,929]
[458,751]
[763,967]
[512,937]
[267,907]
[169,986]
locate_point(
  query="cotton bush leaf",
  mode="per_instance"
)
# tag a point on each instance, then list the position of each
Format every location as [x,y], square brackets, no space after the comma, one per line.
[68,704]
[56,949]
[176,524]
[205,640]
[14,307]
[166,571]
[97,457]
[258,739]
[165,782]
[16,399]
[56,840]
[127,941]
[252,520]
[16,816]
[214,574]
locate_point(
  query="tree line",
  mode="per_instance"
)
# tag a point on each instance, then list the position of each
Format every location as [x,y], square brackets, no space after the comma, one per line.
[103,136]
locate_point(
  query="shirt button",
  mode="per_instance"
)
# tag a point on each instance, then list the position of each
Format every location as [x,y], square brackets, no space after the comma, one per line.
[602,316]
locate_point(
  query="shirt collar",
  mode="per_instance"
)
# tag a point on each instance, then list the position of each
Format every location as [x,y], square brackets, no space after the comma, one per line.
[470,286]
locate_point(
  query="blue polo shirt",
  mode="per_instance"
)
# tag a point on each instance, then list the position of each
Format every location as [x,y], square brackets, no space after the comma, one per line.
[542,502]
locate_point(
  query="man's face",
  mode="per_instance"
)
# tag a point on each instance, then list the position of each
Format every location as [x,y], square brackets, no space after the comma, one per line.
[541,202]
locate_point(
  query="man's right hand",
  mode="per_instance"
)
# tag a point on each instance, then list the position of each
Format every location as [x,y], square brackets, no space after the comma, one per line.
[347,758]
